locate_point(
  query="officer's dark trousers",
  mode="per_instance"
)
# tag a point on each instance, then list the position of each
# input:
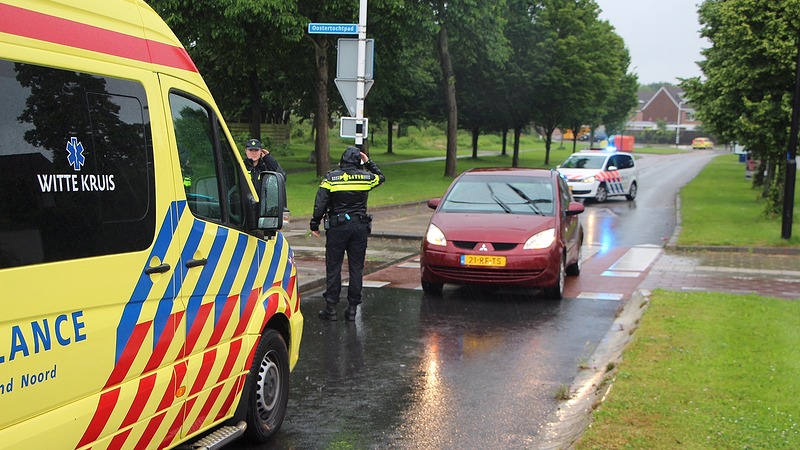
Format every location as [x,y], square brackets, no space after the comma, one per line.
[351,238]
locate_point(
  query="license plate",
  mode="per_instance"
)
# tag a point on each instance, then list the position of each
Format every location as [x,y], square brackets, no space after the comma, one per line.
[483,260]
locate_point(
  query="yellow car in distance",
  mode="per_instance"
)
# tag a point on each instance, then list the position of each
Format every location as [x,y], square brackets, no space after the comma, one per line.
[701,143]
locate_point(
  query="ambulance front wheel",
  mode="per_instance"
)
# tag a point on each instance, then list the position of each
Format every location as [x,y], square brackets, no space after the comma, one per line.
[269,391]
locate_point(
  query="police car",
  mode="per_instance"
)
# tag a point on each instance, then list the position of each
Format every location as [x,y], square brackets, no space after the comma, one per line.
[599,174]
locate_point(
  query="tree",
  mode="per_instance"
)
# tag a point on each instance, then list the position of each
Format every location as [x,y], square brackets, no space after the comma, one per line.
[241,49]
[475,28]
[749,79]
[405,87]
[563,33]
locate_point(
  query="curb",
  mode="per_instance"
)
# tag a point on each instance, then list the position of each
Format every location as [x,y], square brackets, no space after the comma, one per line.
[591,386]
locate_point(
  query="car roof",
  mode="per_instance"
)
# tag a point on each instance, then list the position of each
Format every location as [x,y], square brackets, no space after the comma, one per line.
[510,171]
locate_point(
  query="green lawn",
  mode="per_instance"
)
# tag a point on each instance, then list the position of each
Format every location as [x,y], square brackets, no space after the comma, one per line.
[705,370]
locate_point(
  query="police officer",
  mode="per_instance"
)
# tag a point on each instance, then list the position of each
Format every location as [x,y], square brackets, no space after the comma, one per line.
[259,160]
[341,203]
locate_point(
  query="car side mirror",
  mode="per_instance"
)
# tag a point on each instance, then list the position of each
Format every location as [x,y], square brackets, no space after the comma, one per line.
[272,202]
[575,208]
[610,168]
[434,203]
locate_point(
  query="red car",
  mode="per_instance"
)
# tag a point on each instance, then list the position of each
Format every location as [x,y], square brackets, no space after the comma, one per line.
[503,227]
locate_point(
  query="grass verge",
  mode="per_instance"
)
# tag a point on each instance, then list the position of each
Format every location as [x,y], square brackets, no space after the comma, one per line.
[705,370]
[720,207]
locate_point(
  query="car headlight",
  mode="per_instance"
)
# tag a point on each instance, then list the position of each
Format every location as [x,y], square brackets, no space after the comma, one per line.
[434,236]
[589,180]
[540,240]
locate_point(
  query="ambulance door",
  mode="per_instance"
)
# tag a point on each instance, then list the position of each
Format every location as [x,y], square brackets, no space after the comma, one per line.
[219,259]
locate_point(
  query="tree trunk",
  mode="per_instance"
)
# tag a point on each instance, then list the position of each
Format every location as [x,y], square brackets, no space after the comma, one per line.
[476,131]
[321,144]
[505,140]
[449,86]
[255,104]
[515,157]
[390,124]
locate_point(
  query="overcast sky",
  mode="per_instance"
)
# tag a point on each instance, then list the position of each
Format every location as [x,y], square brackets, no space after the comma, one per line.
[662,36]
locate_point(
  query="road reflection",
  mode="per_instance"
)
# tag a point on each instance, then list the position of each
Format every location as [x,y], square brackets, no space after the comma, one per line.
[473,368]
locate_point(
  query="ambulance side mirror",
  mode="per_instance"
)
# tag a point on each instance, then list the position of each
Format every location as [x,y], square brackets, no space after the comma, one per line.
[272,202]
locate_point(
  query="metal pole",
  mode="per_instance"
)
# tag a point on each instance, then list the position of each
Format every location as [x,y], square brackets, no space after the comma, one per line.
[361,74]
[791,155]
[678,126]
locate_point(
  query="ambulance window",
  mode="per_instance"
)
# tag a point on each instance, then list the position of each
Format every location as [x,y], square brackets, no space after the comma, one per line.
[76,165]
[211,193]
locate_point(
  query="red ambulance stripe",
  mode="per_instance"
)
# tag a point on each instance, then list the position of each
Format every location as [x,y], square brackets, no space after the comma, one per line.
[178,375]
[226,405]
[43,27]
[119,440]
[288,309]
[104,409]
[293,291]
[233,354]
[209,358]
[248,312]
[201,418]
[271,307]
[129,354]
[150,431]
[197,328]
[224,320]
[252,353]
[164,342]
[177,424]
[174,429]
[146,386]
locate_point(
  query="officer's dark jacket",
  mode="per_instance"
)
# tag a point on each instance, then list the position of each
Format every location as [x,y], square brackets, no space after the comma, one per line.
[267,163]
[345,190]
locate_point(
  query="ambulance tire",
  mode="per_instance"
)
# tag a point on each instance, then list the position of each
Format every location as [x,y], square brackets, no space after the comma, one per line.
[269,391]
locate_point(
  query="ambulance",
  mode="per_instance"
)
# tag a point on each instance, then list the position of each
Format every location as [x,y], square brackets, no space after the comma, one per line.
[149,298]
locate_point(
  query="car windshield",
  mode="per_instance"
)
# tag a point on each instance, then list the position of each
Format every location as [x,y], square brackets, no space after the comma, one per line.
[584,162]
[501,195]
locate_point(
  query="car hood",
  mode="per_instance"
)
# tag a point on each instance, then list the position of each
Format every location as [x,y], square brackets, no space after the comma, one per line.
[491,227]
[577,174]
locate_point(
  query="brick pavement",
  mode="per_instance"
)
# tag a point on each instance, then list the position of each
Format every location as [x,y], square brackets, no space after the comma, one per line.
[398,230]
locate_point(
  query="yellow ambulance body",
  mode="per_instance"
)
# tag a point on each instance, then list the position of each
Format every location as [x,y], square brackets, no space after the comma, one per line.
[147,296]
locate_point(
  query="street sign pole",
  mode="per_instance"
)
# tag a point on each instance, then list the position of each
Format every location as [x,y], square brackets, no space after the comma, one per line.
[361,73]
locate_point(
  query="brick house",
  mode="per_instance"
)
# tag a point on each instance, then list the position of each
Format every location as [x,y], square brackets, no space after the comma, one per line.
[667,105]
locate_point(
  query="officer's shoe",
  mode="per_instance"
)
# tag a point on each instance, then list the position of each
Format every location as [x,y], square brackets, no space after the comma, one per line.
[329,313]
[350,314]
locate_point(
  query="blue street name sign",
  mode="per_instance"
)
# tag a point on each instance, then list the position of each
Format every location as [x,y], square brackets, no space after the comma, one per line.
[333,28]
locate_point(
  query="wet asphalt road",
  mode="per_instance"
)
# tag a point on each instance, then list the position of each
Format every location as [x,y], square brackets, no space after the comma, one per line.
[469,370]
[474,369]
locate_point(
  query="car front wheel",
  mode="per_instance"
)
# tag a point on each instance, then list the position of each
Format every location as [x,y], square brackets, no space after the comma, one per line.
[432,288]
[632,192]
[269,391]
[556,291]
[602,194]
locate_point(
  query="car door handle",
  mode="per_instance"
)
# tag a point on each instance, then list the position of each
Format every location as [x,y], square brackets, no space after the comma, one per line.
[196,263]
[157,269]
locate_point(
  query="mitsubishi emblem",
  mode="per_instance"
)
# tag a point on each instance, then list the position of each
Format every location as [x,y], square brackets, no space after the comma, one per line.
[483,248]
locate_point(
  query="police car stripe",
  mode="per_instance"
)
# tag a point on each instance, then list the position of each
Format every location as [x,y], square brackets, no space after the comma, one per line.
[43,27]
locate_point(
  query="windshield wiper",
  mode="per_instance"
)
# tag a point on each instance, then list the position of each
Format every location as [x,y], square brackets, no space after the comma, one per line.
[528,200]
[498,201]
